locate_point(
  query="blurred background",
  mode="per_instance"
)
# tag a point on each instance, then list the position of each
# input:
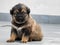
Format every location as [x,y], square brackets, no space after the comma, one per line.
[48,11]
[46,7]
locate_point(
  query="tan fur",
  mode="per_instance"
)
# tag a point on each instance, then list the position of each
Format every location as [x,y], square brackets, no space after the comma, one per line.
[12,37]
[16,11]
[35,32]
[24,39]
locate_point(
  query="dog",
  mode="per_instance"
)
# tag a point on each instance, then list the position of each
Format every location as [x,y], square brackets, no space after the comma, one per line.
[24,26]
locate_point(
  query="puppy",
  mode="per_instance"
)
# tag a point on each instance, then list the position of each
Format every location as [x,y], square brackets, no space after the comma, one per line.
[23,25]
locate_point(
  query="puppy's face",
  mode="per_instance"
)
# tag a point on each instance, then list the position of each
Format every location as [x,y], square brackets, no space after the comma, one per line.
[20,13]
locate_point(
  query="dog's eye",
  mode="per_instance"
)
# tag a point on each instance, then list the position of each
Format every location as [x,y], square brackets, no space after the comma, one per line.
[15,13]
[24,13]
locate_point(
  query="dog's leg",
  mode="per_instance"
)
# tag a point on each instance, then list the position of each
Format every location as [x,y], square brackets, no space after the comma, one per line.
[26,33]
[13,36]
[36,34]
[24,39]
[40,33]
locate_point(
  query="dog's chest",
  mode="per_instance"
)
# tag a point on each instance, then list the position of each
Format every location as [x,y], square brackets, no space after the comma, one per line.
[18,29]
[19,33]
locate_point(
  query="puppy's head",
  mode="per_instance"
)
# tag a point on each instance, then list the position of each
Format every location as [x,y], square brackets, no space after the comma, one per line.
[20,13]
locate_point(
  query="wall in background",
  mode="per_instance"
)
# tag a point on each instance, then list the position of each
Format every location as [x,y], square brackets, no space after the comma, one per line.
[46,7]
[48,19]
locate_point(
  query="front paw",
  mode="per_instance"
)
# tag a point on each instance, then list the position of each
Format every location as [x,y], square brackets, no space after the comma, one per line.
[24,41]
[10,40]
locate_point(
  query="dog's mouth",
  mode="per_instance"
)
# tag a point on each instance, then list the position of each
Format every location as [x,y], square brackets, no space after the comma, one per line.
[19,19]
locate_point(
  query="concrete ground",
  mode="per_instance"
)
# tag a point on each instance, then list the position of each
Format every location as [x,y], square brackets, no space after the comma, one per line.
[51,35]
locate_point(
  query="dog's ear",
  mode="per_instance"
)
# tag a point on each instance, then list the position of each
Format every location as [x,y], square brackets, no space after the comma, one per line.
[11,11]
[28,10]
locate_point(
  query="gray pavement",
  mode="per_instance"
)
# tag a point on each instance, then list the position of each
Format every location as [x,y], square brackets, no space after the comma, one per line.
[51,34]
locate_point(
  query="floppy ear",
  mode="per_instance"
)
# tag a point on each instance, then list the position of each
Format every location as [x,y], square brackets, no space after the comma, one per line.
[28,10]
[11,11]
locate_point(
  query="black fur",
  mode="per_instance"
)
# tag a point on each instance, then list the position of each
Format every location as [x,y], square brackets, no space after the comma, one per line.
[26,31]
[19,7]
[19,25]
